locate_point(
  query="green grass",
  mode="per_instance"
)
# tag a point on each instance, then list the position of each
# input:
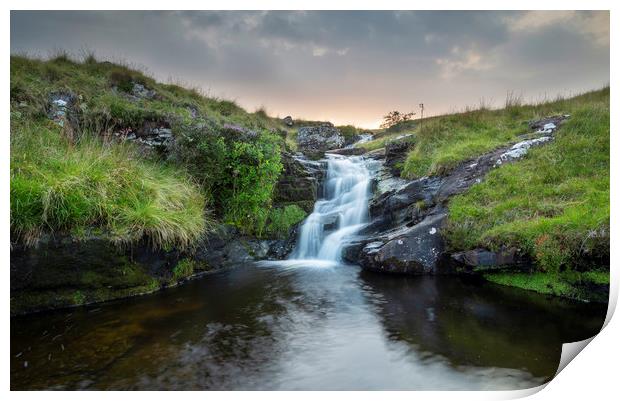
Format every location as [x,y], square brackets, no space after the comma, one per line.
[111,187]
[553,204]
[57,185]
[570,285]
[281,220]
[443,142]
[103,87]
[183,269]
[348,132]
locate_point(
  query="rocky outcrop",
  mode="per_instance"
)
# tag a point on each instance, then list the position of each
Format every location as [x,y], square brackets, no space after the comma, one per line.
[62,271]
[288,121]
[315,140]
[299,182]
[347,151]
[62,108]
[408,250]
[139,91]
[548,125]
[152,134]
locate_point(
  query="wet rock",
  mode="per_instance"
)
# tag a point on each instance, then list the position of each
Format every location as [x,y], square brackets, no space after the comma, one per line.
[152,135]
[548,125]
[396,153]
[348,151]
[395,207]
[351,252]
[330,222]
[282,248]
[288,120]
[363,138]
[408,250]
[399,240]
[299,182]
[314,141]
[520,149]
[63,271]
[484,260]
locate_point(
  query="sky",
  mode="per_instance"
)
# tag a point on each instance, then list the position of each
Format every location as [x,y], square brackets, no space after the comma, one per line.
[348,67]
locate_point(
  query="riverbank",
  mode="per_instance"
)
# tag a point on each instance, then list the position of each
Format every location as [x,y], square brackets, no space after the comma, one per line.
[107,164]
[278,327]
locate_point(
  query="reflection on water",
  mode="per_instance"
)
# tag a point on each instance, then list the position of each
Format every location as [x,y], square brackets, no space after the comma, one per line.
[300,325]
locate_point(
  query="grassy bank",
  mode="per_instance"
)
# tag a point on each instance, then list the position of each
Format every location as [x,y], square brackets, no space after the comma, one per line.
[73,176]
[57,185]
[553,205]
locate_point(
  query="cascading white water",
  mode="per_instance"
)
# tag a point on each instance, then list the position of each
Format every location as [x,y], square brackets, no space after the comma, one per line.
[341,214]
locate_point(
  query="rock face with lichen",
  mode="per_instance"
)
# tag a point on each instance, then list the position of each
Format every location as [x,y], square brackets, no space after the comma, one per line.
[299,182]
[314,141]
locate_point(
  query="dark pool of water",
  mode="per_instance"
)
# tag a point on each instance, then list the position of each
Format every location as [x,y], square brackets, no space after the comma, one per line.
[303,327]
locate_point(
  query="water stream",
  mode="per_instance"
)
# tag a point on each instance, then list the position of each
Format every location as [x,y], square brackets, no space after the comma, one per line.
[342,213]
[308,323]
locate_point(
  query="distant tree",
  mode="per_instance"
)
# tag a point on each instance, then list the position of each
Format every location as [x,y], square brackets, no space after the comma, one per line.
[396,117]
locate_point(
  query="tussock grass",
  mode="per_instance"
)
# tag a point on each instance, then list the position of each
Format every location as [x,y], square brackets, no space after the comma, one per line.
[60,186]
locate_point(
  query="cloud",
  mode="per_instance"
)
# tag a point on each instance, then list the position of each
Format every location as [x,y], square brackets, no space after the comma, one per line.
[593,24]
[462,61]
[346,66]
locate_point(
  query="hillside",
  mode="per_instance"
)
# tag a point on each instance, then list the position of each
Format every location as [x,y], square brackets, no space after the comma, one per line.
[552,206]
[99,146]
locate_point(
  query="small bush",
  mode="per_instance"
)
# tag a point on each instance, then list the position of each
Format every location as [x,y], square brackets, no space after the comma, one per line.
[237,168]
[226,107]
[348,132]
[261,112]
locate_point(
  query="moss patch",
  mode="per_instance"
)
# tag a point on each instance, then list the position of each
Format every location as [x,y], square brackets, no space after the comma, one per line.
[587,286]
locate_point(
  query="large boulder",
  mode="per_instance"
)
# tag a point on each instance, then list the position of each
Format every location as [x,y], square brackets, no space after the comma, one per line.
[397,206]
[314,141]
[409,250]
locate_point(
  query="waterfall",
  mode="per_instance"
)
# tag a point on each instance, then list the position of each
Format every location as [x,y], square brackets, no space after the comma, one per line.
[340,214]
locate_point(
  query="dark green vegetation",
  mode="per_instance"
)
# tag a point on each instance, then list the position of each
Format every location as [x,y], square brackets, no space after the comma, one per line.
[238,174]
[553,205]
[74,176]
